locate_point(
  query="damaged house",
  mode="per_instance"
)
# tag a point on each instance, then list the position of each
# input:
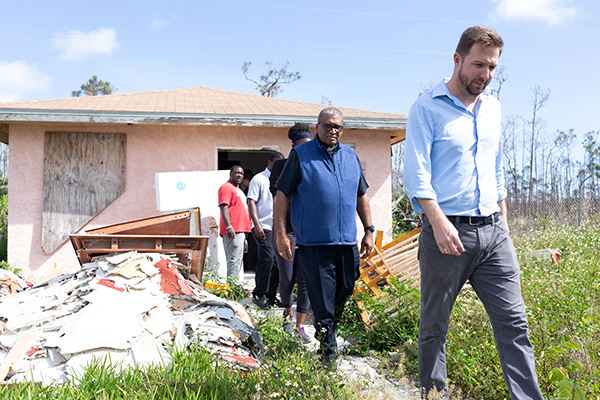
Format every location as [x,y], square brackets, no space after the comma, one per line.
[81,163]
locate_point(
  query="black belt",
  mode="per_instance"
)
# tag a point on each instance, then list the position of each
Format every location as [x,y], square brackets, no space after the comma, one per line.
[475,221]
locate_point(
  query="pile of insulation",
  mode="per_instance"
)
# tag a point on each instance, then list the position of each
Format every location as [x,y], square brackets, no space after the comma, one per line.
[129,308]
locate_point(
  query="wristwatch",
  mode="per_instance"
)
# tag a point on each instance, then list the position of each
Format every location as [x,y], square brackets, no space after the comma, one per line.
[370,228]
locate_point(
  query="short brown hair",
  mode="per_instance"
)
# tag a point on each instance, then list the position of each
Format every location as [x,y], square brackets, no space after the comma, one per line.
[478,34]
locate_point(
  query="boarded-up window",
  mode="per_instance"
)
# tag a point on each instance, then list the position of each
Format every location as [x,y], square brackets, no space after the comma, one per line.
[83,173]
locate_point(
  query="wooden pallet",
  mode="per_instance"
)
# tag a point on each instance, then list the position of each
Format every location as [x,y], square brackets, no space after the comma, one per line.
[397,259]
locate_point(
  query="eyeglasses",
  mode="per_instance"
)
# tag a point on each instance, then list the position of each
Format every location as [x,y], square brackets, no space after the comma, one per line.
[329,127]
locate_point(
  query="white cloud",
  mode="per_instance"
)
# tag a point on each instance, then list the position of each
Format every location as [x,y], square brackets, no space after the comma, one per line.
[77,45]
[18,80]
[551,12]
[158,22]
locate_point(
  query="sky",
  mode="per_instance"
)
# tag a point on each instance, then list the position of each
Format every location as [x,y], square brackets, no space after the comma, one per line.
[376,55]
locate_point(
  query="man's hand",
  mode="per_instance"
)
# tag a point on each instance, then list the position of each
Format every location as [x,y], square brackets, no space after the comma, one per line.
[504,214]
[446,237]
[284,244]
[364,213]
[259,232]
[366,245]
[231,233]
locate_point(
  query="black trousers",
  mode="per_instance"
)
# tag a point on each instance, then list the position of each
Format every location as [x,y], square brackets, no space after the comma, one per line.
[266,272]
[330,273]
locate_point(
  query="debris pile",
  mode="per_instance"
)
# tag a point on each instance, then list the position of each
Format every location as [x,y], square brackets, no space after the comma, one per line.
[554,255]
[11,283]
[397,259]
[130,307]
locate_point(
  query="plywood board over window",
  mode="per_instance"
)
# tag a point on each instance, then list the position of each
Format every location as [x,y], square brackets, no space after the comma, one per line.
[83,173]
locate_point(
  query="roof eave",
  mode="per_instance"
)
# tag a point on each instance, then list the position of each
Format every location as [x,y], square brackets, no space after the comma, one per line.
[69,116]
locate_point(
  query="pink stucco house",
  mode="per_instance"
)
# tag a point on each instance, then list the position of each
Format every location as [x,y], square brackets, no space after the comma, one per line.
[81,163]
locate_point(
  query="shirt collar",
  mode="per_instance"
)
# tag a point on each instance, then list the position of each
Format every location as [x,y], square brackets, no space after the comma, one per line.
[328,149]
[441,89]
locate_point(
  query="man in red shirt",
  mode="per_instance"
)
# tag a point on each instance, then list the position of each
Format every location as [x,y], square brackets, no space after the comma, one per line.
[235,220]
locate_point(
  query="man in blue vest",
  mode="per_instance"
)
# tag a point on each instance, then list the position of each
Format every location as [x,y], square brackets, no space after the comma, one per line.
[324,181]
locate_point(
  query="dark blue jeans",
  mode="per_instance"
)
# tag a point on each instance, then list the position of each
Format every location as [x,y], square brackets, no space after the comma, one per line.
[329,273]
[490,264]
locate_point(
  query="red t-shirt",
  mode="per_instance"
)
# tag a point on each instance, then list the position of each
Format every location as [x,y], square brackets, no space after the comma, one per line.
[238,209]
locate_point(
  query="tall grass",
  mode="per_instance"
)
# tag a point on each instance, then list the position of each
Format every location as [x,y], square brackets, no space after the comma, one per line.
[288,372]
[562,303]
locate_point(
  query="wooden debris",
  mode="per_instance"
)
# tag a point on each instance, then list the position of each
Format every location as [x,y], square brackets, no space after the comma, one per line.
[15,355]
[397,259]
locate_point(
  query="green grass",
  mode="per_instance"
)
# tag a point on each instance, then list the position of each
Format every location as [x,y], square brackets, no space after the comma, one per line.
[563,307]
[288,372]
[562,302]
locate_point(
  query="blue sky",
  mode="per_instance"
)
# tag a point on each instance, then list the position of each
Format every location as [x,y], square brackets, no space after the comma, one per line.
[375,55]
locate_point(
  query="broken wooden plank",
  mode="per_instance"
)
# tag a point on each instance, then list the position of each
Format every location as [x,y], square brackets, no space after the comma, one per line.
[15,355]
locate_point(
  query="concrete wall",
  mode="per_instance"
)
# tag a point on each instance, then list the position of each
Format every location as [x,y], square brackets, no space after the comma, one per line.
[152,149]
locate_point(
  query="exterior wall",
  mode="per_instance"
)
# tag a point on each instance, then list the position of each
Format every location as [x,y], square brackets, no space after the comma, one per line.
[152,149]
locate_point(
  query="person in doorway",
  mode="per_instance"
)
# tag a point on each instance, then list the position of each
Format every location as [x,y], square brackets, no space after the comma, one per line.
[290,271]
[245,185]
[260,205]
[324,181]
[454,177]
[235,221]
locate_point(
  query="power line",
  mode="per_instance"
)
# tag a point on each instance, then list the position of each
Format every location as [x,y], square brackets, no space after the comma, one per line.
[397,16]
[353,48]
[308,75]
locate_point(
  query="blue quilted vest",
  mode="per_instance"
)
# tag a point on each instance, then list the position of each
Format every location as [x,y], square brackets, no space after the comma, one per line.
[324,203]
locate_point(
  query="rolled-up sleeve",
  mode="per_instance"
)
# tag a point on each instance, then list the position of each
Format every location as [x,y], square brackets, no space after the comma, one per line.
[417,156]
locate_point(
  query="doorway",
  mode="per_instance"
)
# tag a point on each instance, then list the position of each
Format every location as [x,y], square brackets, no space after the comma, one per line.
[254,160]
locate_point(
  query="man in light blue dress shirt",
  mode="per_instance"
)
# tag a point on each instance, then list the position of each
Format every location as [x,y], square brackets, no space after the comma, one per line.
[454,176]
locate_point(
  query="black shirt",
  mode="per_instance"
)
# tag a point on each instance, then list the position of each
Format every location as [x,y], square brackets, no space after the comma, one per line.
[291,176]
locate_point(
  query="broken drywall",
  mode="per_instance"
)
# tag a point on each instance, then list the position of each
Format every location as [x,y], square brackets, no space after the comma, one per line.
[128,308]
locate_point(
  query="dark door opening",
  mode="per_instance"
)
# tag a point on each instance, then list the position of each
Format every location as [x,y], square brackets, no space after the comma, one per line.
[256,162]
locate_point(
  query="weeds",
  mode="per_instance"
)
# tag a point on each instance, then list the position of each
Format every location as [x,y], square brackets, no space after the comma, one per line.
[288,372]
[229,288]
[562,303]
[394,317]
[6,265]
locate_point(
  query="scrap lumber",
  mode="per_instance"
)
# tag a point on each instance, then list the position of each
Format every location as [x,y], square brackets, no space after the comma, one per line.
[15,355]
[397,259]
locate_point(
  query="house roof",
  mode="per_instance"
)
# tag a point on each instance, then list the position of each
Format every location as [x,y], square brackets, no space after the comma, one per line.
[192,106]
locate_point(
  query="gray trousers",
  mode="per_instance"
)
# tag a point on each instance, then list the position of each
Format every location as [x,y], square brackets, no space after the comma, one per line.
[234,253]
[490,264]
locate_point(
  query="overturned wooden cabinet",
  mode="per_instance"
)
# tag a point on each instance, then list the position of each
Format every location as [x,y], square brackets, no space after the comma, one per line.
[177,234]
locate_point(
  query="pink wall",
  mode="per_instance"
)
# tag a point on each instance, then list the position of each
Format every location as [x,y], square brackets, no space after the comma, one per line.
[152,149]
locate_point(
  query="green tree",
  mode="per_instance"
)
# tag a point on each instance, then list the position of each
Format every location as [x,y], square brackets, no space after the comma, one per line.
[94,87]
[270,83]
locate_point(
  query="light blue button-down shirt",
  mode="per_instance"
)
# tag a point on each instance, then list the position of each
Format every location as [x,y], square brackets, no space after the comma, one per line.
[454,156]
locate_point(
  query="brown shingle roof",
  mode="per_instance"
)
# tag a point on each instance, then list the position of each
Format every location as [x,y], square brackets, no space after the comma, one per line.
[199,100]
